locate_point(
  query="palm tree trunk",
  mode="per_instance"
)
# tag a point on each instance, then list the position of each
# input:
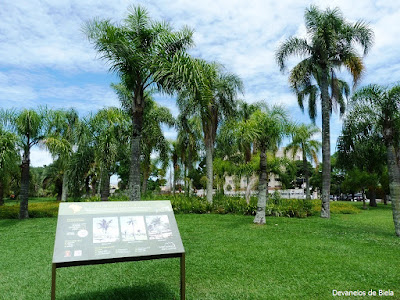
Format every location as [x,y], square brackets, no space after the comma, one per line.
[137,124]
[23,209]
[1,192]
[105,186]
[306,175]
[326,146]
[189,169]
[146,172]
[94,186]
[248,188]
[64,192]
[363,198]
[144,183]
[134,172]
[394,185]
[87,187]
[372,201]
[209,170]
[262,190]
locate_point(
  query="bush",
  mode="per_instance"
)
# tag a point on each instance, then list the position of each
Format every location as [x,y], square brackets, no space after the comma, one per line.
[234,205]
[276,206]
[36,210]
[336,207]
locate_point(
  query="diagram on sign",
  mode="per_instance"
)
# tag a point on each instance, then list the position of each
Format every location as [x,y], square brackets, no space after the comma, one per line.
[105,230]
[158,227]
[133,228]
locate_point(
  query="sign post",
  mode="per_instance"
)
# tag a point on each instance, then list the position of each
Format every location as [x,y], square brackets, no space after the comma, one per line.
[91,233]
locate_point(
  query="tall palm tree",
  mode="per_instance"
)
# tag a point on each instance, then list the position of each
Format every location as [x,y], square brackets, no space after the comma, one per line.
[331,45]
[189,139]
[145,54]
[175,155]
[155,116]
[9,158]
[216,100]
[269,125]
[302,140]
[380,106]
[30,127]
[61,139]
[109,129]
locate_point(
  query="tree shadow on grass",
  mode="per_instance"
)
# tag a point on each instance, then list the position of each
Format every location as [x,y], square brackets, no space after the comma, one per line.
[158,291]
[8,222]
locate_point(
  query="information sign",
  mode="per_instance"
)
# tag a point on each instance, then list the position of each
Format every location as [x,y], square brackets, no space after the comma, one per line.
[115,231]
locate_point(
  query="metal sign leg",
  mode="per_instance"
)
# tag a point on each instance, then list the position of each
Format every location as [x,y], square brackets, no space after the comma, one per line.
[53,281]
[183,297]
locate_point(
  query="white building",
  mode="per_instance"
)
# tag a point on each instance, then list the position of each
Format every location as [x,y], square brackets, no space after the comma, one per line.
[274,184]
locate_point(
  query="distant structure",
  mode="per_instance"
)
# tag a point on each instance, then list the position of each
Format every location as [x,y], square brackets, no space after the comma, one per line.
[274,183]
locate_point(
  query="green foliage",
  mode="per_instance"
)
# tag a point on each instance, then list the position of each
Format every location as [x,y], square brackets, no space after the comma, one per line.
[337,207]
[36,210]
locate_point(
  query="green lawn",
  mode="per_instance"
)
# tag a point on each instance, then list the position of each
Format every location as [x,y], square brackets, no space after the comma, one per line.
[8,201]
[227,258]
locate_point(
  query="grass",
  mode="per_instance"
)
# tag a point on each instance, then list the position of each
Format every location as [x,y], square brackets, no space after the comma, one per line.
[8,201]
[227,257]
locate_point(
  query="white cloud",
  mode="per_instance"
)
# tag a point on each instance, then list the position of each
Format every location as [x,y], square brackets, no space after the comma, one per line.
[43,47]
[40,157]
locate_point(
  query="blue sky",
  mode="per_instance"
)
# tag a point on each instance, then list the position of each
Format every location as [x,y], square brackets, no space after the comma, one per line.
[45,58]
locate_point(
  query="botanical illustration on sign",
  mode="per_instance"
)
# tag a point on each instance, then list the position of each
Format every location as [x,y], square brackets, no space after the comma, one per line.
[105,230]
[158,227]
[133,228]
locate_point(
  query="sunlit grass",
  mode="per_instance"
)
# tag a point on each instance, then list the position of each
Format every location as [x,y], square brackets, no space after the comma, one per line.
[227,258]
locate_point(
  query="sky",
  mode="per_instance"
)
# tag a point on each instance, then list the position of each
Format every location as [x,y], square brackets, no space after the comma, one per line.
[45,59]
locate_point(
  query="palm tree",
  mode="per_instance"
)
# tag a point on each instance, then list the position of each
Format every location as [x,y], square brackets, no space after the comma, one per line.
[61,139]
[216,100]
[269,126]
[109,129]
[145,54]
[30,127]
[155,116]
[380,106]
[360,147]
[9,158]
[302,140]
[83,169]
[189,139]
[331,45]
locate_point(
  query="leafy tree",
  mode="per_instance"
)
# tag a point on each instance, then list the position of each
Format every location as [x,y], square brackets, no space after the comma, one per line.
[145,54]
[30,127]
[360,146]
[9,159]
[380,106]
[331,45]
[357,179]
[302,141]
[52,178]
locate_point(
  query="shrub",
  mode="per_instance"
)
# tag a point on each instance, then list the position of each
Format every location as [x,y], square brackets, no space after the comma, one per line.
[276,206]
[336,207]
[36,210]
